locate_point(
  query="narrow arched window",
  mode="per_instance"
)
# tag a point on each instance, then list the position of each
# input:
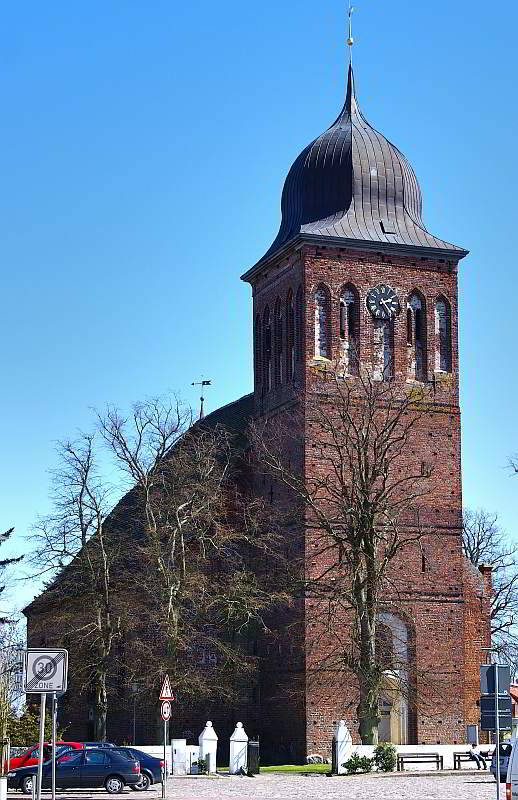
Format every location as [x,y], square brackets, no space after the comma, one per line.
[384,349]
[267,350]
[258,351]
[290,337]
[299,338]
[322,323]
[416,337]
[443,335]
[350,329]
[278,344]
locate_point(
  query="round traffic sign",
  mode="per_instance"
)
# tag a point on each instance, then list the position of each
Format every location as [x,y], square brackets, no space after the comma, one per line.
[44,668]
[166,710]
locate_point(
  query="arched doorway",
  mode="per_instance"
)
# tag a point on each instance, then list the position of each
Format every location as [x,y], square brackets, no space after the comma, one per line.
[393,726]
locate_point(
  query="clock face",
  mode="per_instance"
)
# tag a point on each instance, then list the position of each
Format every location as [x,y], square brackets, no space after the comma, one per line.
[382,302]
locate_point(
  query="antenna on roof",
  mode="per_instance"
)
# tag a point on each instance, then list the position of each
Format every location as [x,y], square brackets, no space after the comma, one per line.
[202,383]
[350,40]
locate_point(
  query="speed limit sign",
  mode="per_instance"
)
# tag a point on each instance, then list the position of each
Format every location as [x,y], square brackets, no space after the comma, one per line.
[45,670]
[166,710]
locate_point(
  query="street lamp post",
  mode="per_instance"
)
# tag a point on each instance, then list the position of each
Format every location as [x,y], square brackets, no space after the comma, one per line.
[497,723]
[134,689]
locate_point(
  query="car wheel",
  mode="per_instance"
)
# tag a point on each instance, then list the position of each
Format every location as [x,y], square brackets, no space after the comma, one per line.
[114,784]
[144,782]
[26,785]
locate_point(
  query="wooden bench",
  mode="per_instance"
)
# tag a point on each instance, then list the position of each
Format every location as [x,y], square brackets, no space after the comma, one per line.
[419,758]
[459,757]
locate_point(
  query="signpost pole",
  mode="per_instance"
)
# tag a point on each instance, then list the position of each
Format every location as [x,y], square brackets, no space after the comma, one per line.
[54,726]
[164,782]
[497,735]
[42,740]
[166,695]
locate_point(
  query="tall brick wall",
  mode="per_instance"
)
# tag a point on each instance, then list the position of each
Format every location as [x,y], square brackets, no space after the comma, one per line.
[439,598]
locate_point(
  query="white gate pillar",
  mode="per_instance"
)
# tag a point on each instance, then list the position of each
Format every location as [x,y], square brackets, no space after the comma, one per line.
[344,746]
[238,749]
[208,741]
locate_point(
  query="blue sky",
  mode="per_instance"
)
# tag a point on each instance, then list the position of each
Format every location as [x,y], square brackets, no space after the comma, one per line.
[143,150]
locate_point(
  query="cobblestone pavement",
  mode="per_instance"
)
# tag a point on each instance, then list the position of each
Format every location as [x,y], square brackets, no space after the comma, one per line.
[311,787]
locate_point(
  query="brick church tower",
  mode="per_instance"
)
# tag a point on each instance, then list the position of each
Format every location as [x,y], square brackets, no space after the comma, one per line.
[354,277]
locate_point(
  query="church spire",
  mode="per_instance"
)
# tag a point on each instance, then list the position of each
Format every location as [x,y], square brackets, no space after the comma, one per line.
[350,40]
[350,98]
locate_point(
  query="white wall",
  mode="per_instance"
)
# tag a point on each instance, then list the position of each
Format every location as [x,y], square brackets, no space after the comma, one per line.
[157,750]
[445,750]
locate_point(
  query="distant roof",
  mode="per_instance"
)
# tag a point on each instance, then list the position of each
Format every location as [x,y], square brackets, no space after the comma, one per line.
[235,416]
[352,184]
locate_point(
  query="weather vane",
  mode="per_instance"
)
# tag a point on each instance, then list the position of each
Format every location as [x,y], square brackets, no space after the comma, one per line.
[202,383]
[350,40]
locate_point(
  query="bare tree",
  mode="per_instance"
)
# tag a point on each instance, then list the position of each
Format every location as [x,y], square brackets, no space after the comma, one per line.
[357,501]
[5,563]
[196,535]
[78,553]
[485,542]
[10,683]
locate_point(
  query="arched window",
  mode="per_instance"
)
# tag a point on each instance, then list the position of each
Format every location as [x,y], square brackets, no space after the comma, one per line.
[350,329]
[267,350]
[258,351]
[384,349]
[290,337]
[384,646]
[322,323]
[442,335]
[299,339]
[278,344]
[416,337]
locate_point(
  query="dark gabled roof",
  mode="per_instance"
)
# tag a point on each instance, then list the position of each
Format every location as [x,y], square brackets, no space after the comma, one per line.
[352,184]
[234,417]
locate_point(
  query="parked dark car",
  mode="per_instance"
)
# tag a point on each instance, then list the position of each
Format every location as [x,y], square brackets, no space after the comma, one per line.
[82,769]
[99,744]
[150,767]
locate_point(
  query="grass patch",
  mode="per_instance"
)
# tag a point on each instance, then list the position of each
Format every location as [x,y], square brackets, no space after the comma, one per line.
[299,768]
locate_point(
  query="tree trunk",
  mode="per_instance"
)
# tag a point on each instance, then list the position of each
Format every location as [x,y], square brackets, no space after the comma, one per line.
[368,715]
[101,708]
[368,676]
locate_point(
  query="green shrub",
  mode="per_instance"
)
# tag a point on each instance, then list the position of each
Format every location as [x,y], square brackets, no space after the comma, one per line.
[201,763]
[358,764]
[385,757]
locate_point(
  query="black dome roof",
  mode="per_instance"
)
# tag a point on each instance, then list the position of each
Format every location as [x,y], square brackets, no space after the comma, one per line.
[352,183]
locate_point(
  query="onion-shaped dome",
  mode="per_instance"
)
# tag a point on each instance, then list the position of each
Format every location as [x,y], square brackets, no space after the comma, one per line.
[352,183]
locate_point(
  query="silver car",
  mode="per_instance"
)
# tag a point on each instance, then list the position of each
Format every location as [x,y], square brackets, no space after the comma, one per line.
[505,752]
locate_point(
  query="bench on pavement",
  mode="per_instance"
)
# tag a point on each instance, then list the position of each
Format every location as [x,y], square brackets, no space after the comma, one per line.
[459,757]
[419,758]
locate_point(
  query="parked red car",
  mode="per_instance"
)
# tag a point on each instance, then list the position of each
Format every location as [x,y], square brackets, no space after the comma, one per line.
[31,756]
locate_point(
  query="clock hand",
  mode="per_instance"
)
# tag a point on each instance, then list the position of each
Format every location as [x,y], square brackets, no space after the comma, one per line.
[386,306]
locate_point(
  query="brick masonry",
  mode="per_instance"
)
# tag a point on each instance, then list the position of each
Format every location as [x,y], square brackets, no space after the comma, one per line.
[447,600]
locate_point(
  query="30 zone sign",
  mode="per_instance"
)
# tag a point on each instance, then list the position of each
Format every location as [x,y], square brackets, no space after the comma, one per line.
[45,671]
